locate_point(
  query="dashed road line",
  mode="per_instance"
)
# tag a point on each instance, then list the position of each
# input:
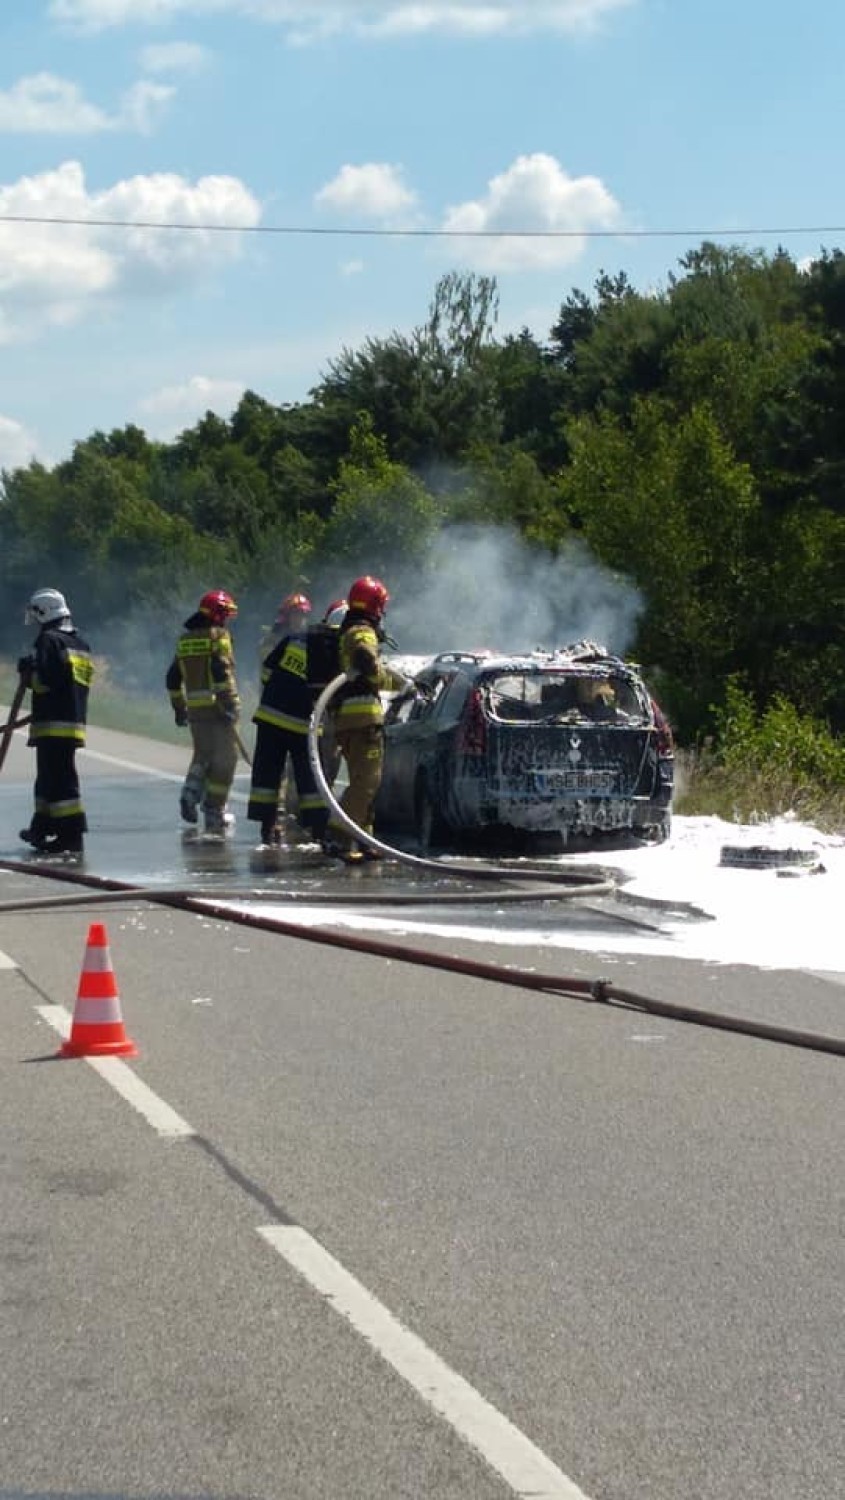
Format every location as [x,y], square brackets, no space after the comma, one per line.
[528,1472]
[523,1466]
[164,1120]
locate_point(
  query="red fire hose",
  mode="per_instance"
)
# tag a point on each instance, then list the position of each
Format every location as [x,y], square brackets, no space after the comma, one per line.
[601,991]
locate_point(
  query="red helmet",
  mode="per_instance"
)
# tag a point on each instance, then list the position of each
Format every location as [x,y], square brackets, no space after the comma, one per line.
[218,606]
[370,595]
[335,612]
[299,602]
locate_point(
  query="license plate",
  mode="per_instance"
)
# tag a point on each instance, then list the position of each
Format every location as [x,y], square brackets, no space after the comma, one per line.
[599,781]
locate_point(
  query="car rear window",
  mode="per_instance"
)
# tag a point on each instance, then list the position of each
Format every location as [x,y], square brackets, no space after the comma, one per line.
[520,697]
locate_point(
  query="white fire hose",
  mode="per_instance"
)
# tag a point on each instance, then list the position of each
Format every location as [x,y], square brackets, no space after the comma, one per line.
[338,814]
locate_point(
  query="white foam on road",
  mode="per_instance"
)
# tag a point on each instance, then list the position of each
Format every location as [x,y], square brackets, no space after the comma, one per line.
[772,920]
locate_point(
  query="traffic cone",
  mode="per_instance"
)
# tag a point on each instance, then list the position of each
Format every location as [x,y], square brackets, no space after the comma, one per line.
[97,1027]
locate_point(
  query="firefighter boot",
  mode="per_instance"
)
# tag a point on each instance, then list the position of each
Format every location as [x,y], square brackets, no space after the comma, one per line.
[214,822]
[35,835]
[190,797]
[65,842]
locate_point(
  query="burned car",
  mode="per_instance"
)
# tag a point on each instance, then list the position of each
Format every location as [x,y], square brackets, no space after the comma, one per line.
[566,743]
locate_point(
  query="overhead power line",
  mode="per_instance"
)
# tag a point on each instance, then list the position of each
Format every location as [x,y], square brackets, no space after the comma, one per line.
[425,234]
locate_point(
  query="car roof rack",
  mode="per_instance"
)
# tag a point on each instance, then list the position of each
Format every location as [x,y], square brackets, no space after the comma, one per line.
[452,656]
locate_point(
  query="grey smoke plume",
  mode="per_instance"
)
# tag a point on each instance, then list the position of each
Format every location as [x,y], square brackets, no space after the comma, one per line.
[479,587]
[485,587]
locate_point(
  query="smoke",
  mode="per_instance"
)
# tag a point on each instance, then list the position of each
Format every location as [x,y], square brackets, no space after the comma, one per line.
[477,587]
[486,587]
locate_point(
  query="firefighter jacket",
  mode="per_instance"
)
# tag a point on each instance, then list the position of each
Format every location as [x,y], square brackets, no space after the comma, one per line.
[61,673]
[358,702]
[286,698]
[201,677]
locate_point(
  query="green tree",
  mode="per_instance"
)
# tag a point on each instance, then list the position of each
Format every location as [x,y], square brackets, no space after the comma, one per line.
[666,503]
[381,513]
[431,394]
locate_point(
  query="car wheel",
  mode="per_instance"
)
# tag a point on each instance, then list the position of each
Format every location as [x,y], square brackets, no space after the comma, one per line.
[661,829]
[429,825]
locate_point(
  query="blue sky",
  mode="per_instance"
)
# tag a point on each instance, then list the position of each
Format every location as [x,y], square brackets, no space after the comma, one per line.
[614,117]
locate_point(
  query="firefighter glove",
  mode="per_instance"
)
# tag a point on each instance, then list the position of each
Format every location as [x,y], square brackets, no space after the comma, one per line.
[26,666]
[180,714]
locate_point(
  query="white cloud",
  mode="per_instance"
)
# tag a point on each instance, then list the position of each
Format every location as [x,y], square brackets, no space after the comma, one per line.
[53,274]
[142,106]
[98,14]
[174,57]
[372,191]
[171,409]
[308,20]
[534,194]
[475,18]
[17,444]
[45,104]
[351,267]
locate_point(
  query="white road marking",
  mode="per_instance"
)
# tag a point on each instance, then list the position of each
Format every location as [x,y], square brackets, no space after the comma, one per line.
[114,1070]
[523,1466]
[134,765]
[519,1462]
[6,962]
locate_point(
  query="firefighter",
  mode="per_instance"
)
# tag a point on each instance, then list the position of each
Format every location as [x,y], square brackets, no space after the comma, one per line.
[204,694]
[281,720]
[58,673]
[359,714]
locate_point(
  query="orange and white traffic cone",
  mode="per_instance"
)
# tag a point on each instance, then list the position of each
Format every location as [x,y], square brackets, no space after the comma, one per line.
[97,1027]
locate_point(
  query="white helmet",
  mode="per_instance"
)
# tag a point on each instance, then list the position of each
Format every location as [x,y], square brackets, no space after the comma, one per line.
[45,606]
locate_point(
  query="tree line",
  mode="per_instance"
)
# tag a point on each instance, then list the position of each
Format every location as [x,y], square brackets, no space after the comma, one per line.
[692,438]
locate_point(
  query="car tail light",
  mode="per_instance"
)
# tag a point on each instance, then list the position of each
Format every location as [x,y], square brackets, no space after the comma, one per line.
[665,738]
[472,732]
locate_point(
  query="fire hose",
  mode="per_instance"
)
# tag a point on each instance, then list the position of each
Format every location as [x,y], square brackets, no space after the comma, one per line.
[583,882]
[14,722]
[595,991]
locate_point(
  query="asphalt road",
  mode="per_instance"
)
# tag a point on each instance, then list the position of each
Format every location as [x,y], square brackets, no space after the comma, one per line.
[376,1230]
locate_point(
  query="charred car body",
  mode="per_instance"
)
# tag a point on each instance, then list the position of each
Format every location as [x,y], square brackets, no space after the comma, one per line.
[567,743]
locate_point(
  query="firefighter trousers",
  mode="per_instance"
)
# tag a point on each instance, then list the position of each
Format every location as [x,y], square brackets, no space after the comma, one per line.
[215,756]
[272,748]
[58,804]
[363,751]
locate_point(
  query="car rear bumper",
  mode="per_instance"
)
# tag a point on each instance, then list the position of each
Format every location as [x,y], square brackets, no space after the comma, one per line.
[573,816]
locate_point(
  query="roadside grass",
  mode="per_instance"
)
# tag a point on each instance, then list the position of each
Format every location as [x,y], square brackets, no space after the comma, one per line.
[706,788]
[766,763]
